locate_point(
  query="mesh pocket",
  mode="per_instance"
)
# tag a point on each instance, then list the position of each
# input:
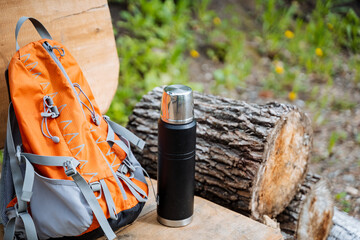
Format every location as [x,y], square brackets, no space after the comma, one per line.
[58,208]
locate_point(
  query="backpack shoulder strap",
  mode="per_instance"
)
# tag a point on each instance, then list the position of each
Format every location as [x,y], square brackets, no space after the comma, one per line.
[38,26]
[21,206]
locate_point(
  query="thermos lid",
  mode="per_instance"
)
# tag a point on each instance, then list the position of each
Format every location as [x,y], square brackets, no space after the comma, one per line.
[177,105]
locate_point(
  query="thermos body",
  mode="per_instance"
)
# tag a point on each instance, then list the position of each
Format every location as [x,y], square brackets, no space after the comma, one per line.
[176,173]
[176,157]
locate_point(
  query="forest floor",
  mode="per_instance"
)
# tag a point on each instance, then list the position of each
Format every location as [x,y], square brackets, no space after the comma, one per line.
[336,144]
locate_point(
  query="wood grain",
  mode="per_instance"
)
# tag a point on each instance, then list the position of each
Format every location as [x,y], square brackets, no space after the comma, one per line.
[345,227]
[84,27]
[211,221]
[310,213]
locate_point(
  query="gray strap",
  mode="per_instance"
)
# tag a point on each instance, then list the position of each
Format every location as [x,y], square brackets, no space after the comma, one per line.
[38,26]
[120,130]
[56,161]
[123,146]
[94,205]
[14,165]
[134,189]
[114,174]
[10,229]
[109,200]
[21,206]
[28,182]
[111,138]
[30,229]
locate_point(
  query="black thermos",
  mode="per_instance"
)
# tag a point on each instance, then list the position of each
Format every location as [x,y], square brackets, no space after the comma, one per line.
[176,157]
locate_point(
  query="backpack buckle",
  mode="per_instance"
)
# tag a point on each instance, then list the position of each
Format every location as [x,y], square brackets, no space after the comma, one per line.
[18,153]
[69,168]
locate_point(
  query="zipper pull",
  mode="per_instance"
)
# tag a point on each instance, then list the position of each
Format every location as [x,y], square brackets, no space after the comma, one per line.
[48,46]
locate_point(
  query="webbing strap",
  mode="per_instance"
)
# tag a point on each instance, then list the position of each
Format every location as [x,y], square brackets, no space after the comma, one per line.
[56,161]
[30,229]
[38,26]
[28,182]
[94,205]
[14,165]
[10,229]
[120,130]
[114,174]
[134,189]
[21,206]
[109,200]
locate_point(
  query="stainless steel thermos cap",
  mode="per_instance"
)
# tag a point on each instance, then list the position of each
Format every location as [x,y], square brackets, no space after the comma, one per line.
[177,106]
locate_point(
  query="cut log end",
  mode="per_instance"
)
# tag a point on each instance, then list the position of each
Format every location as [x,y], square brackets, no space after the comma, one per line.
[285,161]
[309,215]
[315,219]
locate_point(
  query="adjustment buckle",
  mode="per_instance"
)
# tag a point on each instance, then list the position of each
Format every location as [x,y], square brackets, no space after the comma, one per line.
[18,153]
[69,168]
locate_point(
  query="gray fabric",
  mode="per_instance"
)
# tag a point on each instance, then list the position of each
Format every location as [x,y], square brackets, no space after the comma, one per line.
[109,200]
[59,208]
[49,160]
[120,130]
[94,205]
[38,26]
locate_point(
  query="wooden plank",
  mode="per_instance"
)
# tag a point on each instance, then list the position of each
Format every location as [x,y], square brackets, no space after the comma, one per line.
[211,221]
[84,27]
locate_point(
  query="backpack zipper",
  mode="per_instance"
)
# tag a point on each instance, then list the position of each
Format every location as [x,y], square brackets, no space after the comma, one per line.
[50,51]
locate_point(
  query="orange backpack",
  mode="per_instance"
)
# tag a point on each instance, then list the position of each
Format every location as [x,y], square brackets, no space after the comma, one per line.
[67,170]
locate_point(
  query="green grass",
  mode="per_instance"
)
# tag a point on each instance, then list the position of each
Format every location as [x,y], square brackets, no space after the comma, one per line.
[334,138]
[307,50]
[154,53]
[346,205]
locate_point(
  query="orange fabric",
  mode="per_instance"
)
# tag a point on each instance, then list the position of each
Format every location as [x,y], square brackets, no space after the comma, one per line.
[33,74]
[12,202]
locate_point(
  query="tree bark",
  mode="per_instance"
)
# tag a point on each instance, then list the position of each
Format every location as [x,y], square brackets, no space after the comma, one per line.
[344,227]
[309,214]
[250,158]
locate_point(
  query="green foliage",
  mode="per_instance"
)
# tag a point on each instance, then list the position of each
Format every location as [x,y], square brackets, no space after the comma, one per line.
[345,204]
[1,156]
[334,138]
[153,53]
[158,39]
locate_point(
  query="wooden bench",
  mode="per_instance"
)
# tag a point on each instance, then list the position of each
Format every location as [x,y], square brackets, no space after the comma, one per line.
[211,221]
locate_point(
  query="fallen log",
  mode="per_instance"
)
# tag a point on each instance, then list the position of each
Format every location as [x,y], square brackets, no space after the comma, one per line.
[344,227]
[309,214]
[250,158]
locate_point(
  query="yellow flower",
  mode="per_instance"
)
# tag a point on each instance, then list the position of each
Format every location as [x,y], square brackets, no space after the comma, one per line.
[279,69]
[289,34]
[319,52]
[194,53]
[330,26]
[292,96]
[217,21]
